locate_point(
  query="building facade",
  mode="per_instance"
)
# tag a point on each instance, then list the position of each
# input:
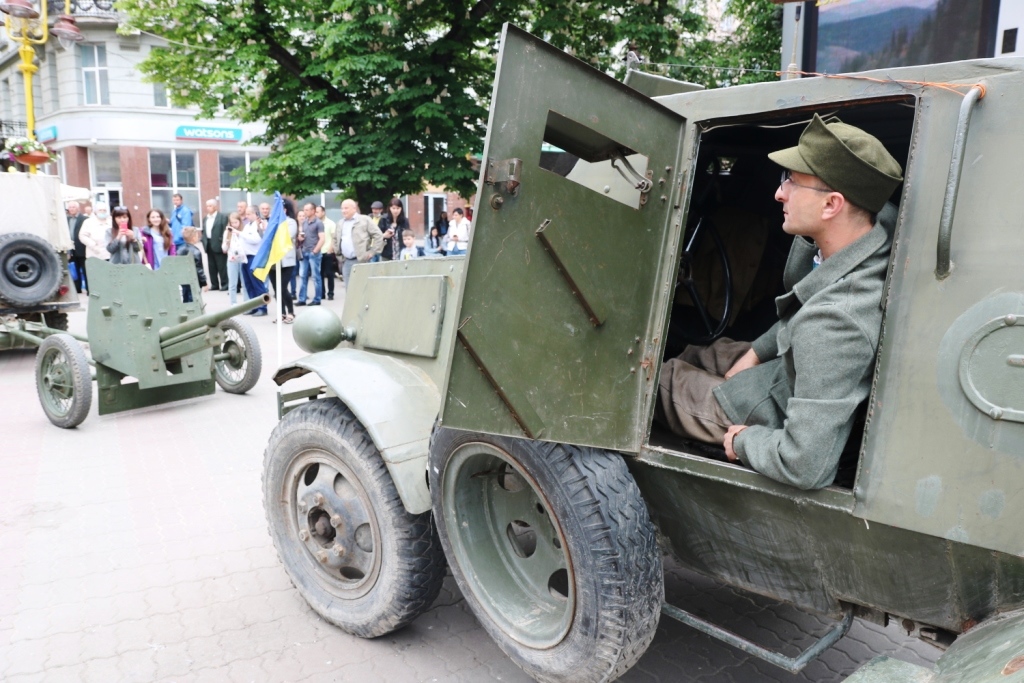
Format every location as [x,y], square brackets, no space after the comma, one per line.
[117,135]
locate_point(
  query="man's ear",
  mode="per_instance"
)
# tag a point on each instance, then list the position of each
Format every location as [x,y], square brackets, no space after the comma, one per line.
[832,206]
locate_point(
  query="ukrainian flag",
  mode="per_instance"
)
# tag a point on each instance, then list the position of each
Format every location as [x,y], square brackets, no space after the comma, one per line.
[277,241]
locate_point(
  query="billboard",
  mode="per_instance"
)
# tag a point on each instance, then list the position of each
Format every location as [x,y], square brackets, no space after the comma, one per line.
[860,35]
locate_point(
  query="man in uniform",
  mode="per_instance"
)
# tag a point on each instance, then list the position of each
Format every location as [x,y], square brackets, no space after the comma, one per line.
[785,405]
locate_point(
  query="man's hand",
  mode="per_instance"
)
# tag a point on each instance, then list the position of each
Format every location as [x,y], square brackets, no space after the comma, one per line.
[730,435]
[746,361]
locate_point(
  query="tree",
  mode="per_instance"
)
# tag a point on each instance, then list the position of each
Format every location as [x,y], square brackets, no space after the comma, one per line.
[375,96]
[751,54]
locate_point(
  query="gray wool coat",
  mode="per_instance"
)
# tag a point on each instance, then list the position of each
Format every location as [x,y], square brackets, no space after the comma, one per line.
[816,362]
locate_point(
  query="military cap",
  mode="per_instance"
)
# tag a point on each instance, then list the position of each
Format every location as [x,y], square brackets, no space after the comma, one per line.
[845,158]
[376,205]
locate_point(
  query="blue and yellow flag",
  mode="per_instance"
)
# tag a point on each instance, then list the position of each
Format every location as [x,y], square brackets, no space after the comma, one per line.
[277,241]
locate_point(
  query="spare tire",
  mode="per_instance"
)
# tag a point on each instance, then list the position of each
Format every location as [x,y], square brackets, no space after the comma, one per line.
[30,270]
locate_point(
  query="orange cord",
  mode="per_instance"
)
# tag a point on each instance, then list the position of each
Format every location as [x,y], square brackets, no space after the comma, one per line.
[951,87]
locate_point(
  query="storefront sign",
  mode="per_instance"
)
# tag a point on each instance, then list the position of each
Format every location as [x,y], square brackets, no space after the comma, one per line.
[206,133]
[46,134]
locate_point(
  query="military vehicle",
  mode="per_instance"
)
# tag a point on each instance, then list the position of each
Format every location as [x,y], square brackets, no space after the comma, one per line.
[147,326]
[34,242]
[498,410]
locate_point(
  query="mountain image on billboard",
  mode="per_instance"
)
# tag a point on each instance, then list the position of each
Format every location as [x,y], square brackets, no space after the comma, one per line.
[860,35]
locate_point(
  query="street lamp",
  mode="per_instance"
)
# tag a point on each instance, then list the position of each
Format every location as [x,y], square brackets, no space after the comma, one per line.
[29,26]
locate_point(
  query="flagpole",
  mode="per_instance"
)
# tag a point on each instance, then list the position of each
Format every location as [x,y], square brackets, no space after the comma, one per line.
[280,316]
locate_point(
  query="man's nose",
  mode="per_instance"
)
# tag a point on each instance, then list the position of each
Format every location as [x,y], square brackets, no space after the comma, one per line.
[779,195]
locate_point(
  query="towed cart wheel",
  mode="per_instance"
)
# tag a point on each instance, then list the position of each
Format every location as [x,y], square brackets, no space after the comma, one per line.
[63,380]
[347,543]
[30,270]
[553,549]
[239,372]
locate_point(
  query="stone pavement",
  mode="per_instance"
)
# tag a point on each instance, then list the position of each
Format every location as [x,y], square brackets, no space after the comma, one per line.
[134,548]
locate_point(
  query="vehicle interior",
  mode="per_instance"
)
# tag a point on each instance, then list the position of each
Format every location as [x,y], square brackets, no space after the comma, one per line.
[734,251]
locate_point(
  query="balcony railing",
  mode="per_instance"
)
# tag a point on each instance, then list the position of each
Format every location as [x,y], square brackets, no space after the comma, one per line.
[13,129]
[101,9]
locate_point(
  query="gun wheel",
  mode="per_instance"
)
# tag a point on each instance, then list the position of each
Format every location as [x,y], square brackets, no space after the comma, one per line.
[347,543]
[63,380]
[553,549]
[240,370]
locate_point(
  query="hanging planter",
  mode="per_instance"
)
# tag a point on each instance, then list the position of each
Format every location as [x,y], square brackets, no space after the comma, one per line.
[33,158]
[29,152]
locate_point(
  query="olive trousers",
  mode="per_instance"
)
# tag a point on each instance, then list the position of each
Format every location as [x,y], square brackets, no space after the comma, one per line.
[686,404]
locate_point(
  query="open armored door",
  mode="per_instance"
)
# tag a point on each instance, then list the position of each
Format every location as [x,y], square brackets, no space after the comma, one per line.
[568,265]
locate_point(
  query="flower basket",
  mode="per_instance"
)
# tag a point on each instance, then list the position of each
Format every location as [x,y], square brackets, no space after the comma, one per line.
[28,151]
[33,158]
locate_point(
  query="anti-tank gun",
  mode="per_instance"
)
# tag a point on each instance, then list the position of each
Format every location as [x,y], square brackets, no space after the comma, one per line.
[150,326]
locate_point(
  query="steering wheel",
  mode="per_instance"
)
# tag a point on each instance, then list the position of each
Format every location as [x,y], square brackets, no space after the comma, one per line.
[712,330]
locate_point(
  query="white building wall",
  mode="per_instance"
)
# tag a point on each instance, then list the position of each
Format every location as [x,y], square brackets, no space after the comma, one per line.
[1011,16]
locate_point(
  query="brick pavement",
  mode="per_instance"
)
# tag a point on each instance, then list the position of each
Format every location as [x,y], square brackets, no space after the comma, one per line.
[134,548]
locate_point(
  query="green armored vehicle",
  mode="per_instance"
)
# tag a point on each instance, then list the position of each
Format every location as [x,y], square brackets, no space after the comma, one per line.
[497,412]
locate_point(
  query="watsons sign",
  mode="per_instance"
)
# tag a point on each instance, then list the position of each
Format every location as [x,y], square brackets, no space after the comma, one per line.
[204,133]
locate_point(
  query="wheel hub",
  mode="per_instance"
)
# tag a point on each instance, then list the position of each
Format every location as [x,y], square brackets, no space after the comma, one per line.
[336,526]
[237,356]
[509,545]
[23,270]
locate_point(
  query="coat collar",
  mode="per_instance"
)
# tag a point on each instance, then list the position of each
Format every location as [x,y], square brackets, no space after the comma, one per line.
[840,264]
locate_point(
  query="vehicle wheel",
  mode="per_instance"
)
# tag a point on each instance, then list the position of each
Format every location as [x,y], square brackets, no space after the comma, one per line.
[553,549]
[63,380]
[358,558]
[240,372]
[30,270]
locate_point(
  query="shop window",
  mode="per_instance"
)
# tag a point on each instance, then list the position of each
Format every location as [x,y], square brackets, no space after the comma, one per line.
[170,172]
[106,166]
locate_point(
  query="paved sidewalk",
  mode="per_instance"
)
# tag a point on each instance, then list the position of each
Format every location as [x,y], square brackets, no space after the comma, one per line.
[134,548]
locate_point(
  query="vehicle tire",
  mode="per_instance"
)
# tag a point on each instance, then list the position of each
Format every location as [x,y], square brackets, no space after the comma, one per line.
[553,549]
[323,477]
[239,373]
[63,380]
[30,269]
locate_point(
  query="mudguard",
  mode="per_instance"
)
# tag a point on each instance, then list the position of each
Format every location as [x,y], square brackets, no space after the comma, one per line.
[396,402]
[992,652]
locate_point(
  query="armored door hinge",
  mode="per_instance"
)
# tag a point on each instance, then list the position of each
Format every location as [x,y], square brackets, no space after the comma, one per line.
[505,172]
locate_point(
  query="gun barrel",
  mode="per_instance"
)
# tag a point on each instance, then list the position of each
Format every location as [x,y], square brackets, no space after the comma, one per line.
[212,319]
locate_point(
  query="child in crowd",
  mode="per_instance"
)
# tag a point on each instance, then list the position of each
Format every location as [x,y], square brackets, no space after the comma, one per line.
[192,248]
[409,250]
[434,244]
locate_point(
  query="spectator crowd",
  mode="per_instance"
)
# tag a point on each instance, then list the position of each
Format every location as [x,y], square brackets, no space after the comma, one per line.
[223,245]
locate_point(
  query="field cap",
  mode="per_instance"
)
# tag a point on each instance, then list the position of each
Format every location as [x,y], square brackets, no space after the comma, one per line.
[845,158]
[376,205]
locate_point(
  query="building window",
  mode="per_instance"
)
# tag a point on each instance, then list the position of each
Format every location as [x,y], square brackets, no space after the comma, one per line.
[233,166]
[106,166]
[1009,40]
[160,98]
[170,172]
[95,86]
[54,83]
[5,100]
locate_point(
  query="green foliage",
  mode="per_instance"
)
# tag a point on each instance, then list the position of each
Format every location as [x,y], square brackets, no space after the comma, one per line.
[377,97]
[752,54]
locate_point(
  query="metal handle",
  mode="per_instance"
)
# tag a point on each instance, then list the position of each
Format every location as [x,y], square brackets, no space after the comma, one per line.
[956,165]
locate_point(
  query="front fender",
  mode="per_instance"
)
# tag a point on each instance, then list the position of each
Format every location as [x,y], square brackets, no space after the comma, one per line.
[396,402]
